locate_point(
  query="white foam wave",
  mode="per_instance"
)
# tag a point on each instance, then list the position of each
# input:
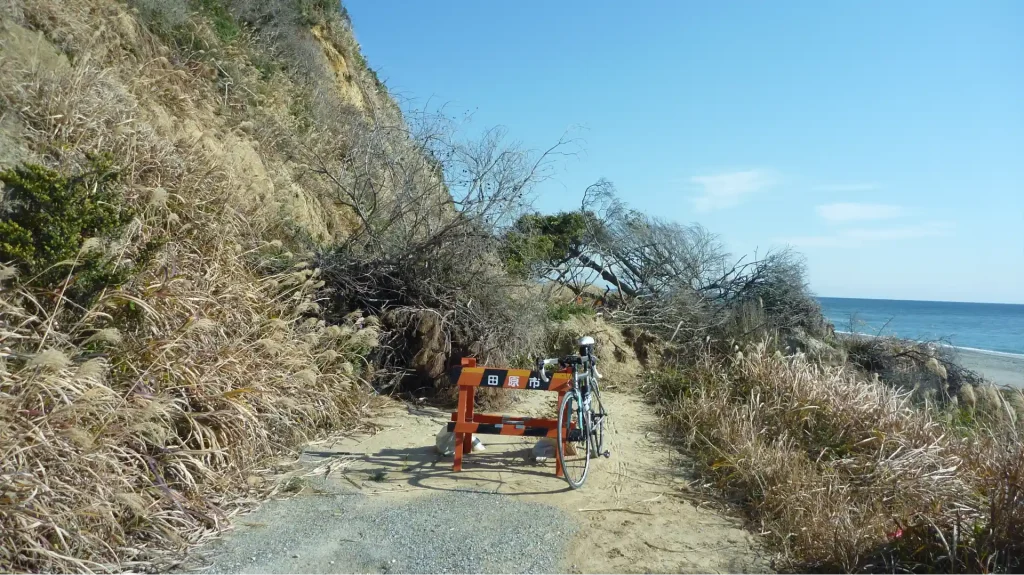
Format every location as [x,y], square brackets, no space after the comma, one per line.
[989,352]
[960,347]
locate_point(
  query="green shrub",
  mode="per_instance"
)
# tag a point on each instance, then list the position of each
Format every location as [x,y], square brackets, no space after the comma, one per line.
[222,21]
[538,243]
[666,384]
[46,218]
[169,19]
[565,311]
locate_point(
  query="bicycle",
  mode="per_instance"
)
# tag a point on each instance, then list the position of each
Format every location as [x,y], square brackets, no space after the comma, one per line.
[580,420]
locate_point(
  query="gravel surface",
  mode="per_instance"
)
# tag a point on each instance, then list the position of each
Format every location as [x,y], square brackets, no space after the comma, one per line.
[446,532]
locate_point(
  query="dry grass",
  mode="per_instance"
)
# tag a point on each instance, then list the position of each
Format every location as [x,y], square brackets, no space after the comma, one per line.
[143,423]
[156,439]
[929,369]
[841,474]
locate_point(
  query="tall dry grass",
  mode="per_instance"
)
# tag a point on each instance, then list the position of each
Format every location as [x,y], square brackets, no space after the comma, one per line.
[142,424]
[842,474]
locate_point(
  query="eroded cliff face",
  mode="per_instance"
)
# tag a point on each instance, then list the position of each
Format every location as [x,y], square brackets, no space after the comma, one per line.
[138,420]
[349,89]
[248,88]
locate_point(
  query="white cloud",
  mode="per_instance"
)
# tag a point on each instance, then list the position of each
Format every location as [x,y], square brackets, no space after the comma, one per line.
[847,212]
[727,190]
[863,187]
[859,237]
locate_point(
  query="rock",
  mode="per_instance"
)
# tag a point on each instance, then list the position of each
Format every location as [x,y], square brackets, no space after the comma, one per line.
[543,450]
[445,442]
[547,448]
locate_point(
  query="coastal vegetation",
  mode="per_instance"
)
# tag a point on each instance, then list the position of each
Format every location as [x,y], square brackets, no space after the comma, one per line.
[221,238]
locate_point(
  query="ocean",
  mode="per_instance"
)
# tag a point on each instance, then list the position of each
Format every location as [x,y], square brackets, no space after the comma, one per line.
[980,326]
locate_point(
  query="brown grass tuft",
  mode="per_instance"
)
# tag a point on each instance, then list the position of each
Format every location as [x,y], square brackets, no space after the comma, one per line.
[842,474]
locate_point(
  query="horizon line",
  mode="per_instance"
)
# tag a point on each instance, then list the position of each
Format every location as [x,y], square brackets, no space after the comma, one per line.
[921,300]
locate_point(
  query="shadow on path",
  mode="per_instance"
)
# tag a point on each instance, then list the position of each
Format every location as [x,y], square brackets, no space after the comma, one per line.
[497,470]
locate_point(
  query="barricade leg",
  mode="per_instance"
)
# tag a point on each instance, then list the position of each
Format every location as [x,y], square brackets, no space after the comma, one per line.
[460,418]
[558,460]
[467,440]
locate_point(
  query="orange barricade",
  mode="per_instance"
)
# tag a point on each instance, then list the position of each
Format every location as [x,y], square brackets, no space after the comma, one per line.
[465,423]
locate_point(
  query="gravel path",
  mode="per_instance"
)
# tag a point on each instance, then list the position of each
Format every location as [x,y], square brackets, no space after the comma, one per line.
[387,502]
[443,532]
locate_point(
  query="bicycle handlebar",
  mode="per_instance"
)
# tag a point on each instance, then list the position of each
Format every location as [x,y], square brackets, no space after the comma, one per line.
[542,363]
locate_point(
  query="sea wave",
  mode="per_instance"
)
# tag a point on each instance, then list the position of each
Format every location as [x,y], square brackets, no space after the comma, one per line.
[989,352]
[958,347]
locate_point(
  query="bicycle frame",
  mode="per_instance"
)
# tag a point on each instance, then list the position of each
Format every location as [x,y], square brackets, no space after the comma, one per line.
[584,384]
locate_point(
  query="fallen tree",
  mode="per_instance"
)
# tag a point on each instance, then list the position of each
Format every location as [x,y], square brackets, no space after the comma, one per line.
[674,280]
[422,251]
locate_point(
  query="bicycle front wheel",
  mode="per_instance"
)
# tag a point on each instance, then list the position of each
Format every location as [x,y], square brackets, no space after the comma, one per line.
[573,440]
[597,421]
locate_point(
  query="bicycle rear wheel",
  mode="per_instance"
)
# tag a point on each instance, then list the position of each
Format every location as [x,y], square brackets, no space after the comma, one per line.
[573,440]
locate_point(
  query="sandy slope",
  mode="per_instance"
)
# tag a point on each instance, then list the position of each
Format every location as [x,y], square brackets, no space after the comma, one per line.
[634,514]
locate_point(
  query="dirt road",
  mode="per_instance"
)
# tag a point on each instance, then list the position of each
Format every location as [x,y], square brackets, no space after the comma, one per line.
[388,502]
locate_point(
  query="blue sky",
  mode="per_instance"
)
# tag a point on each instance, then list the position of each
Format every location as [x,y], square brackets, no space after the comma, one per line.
[883,140]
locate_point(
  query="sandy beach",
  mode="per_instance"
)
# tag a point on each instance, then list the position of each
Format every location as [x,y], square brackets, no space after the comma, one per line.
[1000,369]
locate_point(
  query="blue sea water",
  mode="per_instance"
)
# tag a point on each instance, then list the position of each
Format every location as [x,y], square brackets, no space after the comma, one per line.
[981,326]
